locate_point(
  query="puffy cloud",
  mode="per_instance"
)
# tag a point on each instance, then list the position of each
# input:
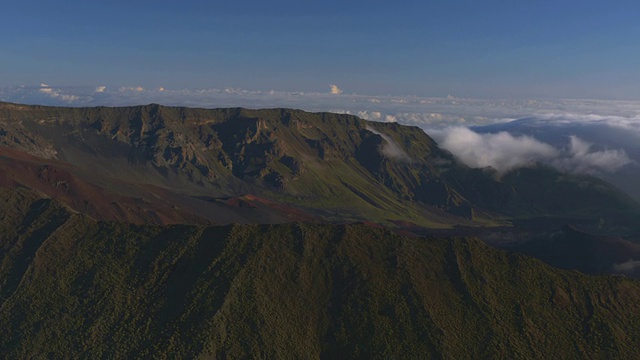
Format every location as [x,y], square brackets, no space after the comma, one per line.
[390,148]
[583,160]
[100,89]
[370,115]
[505,152]
[57,94]
[335,90]
[501,151]
[374,116]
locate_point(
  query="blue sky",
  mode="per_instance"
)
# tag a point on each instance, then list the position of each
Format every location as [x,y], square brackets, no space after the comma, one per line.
[473,49]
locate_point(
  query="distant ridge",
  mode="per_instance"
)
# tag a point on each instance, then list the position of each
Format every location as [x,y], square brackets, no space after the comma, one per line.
[332,167]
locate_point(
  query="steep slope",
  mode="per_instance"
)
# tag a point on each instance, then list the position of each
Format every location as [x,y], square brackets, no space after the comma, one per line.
[330,167]
[542,198]
[570,248]
[74,287]
[325,162]
[118,200]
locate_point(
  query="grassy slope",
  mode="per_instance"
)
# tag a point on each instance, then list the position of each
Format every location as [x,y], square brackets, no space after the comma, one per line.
[328,164]
[76,287]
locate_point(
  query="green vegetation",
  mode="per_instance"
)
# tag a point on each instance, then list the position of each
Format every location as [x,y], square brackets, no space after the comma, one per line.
[96,289]
[335,167]
[74,285]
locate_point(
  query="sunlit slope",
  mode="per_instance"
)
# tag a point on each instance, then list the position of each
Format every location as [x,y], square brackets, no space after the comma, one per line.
[330,167]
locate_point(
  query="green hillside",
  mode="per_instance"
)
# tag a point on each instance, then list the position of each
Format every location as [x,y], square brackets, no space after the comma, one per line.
[73,287]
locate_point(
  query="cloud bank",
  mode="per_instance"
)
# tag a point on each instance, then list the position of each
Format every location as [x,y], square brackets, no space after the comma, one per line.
[583,159]
[425,112]
[505,152]
[501,151]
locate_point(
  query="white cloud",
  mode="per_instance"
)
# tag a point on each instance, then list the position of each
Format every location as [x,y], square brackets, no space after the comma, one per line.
[100,89]
[501,151]
[335,90]
[390,148]
[554,120]
[505,152]
[582,159]
[374,116]
[131,89]
[370,115]
[58,94]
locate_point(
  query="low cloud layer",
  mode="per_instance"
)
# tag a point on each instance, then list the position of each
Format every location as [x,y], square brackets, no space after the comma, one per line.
[505,152]
[376,116]
[583,159]
[57,94]
[390,148]
[501,151]
[425,112]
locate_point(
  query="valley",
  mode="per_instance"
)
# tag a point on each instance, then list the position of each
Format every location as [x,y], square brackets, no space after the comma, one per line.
[169,231]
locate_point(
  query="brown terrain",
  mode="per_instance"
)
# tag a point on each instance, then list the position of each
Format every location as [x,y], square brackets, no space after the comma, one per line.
[139,204]
[165,165]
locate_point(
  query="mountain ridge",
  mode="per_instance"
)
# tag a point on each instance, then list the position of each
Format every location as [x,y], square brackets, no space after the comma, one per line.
[336,167]
[74,286]
[156,231]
